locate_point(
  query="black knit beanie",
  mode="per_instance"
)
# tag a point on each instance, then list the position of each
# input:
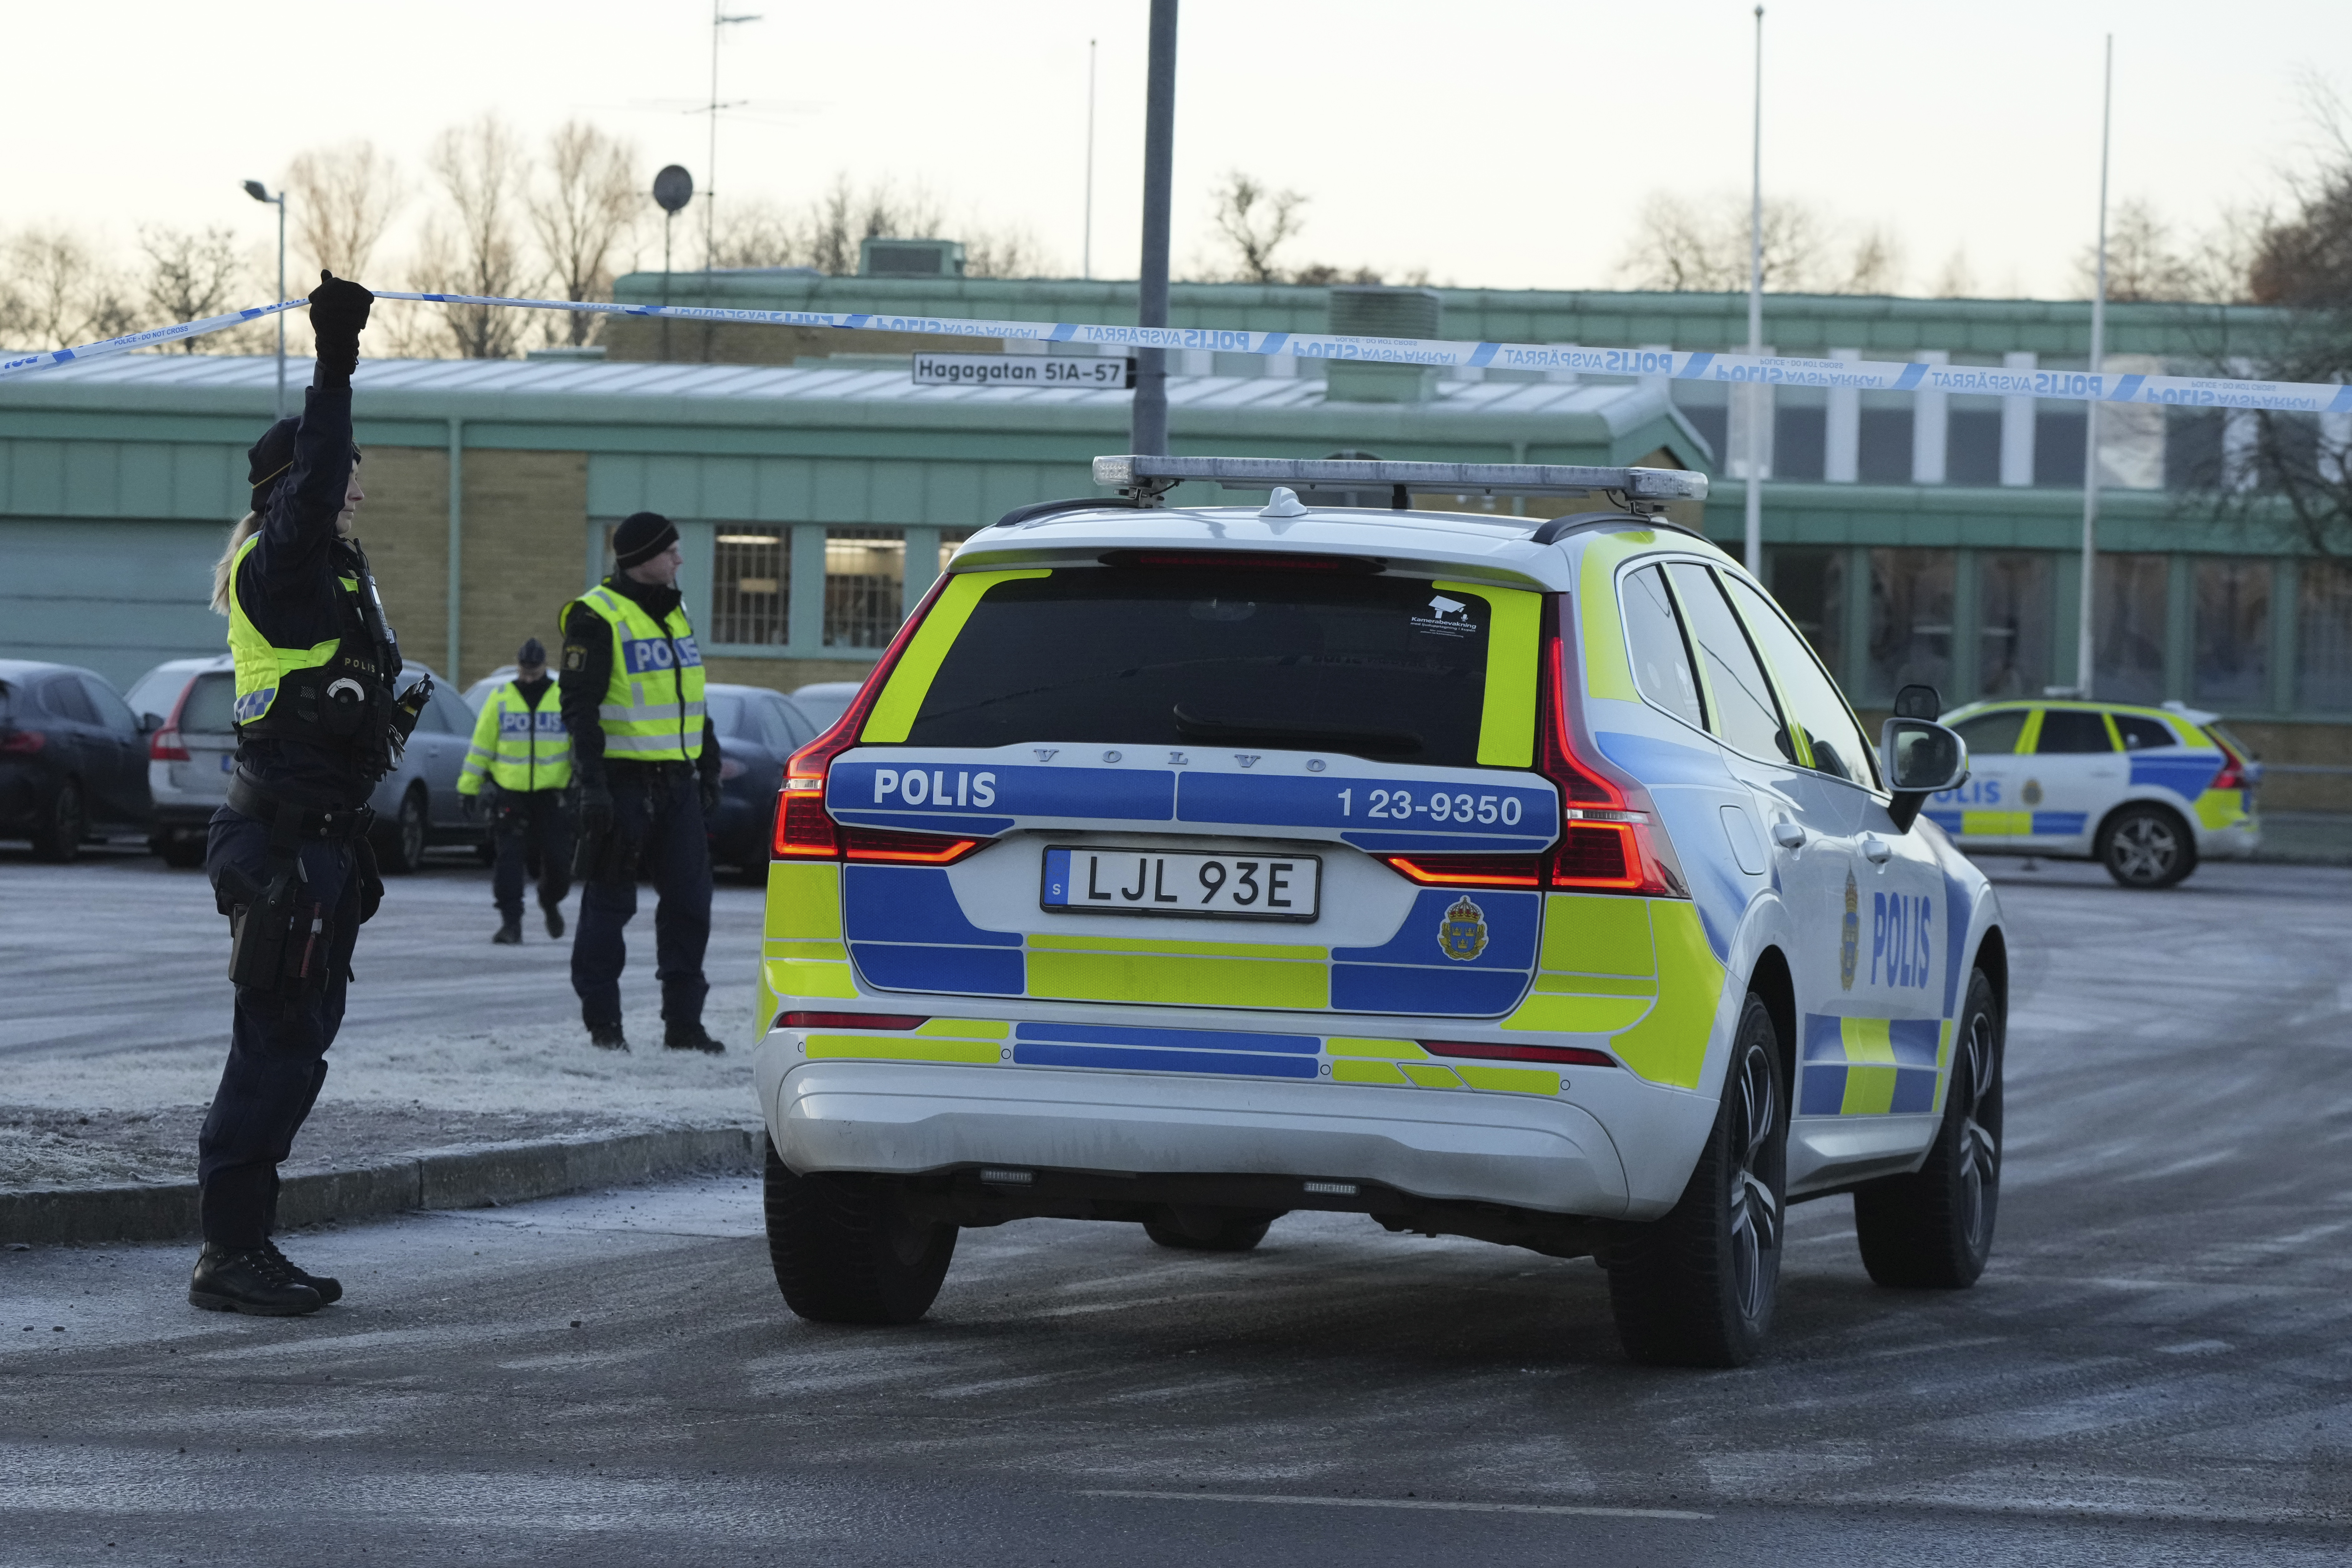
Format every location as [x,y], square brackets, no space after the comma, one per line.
[642,536]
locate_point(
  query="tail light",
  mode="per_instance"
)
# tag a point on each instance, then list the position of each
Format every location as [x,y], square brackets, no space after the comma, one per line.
[1566,1056]
[1610,840]
[806,831]
[166,746]
[1470,870]
[21,742]
[2233,766]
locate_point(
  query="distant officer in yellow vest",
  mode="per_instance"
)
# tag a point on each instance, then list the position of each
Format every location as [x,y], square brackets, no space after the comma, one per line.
[648,764]
[516,772]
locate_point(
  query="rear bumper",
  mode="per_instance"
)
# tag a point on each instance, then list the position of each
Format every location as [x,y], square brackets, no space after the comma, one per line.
[906,1117]
[2232,842]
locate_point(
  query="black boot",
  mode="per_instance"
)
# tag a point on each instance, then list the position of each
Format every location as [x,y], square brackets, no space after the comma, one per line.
[607,1037]
[254,1281]
[510,931]
[329,1291]
[555,913]
[690,1036]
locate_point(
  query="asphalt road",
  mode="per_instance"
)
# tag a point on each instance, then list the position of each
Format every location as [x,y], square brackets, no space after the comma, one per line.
[2157,1368]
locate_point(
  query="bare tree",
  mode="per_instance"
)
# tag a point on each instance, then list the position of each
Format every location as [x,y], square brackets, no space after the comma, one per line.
[1254,223]
[343,201]
[189,276]
[828,233]
[585,204]
[54,292]
[1013,252]
[1681,246]
[470,245]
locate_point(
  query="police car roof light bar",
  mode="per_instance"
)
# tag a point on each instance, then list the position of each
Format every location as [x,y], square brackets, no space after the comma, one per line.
[1142,478]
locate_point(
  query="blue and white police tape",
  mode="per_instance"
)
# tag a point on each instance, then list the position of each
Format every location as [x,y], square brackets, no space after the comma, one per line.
[1675,365]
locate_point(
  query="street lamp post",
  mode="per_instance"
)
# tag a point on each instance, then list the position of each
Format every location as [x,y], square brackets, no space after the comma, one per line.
[260,193]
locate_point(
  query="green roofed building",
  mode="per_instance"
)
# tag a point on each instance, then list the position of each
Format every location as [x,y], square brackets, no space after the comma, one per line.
[1916,538]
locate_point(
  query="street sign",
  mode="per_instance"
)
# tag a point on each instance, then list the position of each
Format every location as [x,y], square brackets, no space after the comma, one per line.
[1101,372]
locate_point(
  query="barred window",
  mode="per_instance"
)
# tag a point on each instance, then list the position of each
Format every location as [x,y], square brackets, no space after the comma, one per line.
[750,585]
[865,585]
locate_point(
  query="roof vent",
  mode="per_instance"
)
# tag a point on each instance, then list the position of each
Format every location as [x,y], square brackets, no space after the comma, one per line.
[909,258]
[1367,311]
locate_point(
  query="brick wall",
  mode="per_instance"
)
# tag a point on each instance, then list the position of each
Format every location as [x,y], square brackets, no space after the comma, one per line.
[783,674]
[404,525]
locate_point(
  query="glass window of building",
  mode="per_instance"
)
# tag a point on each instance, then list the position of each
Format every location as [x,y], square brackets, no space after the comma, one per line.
[1800,433]
[1810,582]
[1740,698]
[1973,442]
[1883,455]
[2233,634]
[1814,703]
[2016,606]
[951,540]
[865,585]
[1662,666]
[2071,731]
[1910,620]
[2058,438]
[2323,655]
[2129,657]
[750,585]
[1993,734]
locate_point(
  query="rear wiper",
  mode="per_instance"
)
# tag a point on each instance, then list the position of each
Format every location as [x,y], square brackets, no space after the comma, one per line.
[1300,734]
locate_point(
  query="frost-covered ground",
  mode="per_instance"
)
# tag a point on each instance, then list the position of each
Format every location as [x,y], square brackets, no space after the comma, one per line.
[119,1010]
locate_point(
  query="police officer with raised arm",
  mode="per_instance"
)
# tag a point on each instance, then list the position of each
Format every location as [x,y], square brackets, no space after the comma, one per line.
[317,725]
[648,763]
[516,771]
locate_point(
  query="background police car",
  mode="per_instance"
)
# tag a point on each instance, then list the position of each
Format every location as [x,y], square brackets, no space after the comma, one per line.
[2148,792]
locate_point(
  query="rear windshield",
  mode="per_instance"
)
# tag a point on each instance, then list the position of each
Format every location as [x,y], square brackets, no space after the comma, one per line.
[211,705]
[1387,667]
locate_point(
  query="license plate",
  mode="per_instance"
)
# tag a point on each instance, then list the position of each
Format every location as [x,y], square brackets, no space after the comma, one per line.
[1113,881]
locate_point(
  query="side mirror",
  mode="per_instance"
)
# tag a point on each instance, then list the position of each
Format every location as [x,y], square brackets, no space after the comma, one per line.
[150,722]
[1919,758]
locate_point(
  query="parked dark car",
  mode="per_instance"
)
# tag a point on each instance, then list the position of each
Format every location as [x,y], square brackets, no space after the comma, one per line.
[758,731]
[73,759]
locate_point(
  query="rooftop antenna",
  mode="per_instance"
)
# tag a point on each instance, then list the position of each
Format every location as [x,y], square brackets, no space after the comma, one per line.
[720,22]
[1087,268]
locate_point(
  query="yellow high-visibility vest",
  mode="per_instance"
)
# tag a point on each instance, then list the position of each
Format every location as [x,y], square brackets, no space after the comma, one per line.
[519,747]
[652,711]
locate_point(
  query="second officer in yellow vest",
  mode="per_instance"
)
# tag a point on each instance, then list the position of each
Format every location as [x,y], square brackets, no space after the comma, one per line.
[516,770]
[647,764]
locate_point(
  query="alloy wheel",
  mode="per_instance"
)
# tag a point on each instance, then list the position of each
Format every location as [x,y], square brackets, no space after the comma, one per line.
[2144,850]
[1979,1151]
[1755,1210]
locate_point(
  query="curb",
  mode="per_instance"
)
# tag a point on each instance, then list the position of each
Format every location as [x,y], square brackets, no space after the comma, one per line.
[469,1178]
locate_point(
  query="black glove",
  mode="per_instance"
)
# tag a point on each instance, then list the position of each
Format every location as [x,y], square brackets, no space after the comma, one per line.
[339,313]
[595,811]
[471,805]
[709,795]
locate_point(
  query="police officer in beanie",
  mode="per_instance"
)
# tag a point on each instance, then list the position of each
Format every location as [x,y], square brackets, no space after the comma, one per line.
[517,771]
[318,724]
[648,764]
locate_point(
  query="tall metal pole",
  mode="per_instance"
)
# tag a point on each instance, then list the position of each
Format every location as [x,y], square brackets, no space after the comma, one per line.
[710,159]
[2086,643]
[1149,431]
[281,295]
[1754,391]
[1086,267]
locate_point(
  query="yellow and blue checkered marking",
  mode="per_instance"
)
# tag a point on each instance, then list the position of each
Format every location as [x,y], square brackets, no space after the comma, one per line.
[1864,1066]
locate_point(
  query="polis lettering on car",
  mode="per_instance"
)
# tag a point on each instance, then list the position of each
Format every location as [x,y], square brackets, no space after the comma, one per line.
[1899,939]
[915,787]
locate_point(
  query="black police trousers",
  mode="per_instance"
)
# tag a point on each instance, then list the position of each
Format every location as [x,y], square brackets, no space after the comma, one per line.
[656,822]
[278,1049]
[524,823]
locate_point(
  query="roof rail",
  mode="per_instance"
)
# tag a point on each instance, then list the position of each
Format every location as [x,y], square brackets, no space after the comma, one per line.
[1143,478]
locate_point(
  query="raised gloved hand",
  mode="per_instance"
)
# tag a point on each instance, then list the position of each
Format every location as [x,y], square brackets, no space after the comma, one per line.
[339,313]
[595,810]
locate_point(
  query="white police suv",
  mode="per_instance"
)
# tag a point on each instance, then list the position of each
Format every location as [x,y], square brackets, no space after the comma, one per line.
[2146,792]
[1520,879]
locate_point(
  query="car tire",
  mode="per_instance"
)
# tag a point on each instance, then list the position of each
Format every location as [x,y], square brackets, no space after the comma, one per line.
[1189,1229]
[59,838]
[1698,1287]
[400,843]
[845,1249]
[2147,846]
[1933,1230]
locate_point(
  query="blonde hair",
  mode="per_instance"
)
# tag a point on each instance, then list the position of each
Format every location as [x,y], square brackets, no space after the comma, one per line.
[225,569]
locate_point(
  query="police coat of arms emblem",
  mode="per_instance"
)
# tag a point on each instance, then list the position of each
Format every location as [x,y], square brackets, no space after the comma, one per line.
[1463,933]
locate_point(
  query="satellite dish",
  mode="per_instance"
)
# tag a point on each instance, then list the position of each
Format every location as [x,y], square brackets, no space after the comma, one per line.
[673,188]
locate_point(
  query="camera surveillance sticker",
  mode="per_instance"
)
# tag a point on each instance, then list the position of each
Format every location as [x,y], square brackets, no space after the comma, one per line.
[1445,617]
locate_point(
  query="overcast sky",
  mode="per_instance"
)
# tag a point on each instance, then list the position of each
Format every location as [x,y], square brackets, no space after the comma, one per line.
[1489,142]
